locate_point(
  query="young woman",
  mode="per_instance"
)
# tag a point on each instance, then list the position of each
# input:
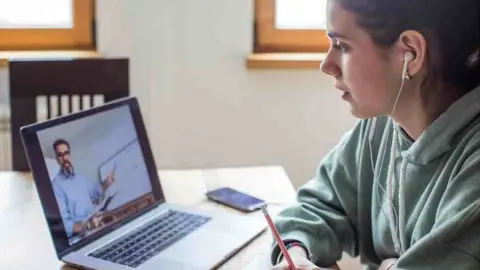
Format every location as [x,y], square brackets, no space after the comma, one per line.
[402,188]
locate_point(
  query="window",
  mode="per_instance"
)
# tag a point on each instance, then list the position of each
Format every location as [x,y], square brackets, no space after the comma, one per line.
[290,26]
[46,24]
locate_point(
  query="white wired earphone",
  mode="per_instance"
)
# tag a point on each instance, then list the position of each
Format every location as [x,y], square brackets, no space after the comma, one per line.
[392,213]
[407,58]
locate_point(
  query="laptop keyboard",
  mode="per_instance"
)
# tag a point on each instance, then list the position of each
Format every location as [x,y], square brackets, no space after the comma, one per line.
[150,239]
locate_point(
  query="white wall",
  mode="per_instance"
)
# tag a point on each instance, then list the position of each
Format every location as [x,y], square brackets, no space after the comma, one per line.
[205,109]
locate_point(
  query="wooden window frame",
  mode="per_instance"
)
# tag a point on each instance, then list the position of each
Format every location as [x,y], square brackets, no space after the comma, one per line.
[268,39]
[80,37]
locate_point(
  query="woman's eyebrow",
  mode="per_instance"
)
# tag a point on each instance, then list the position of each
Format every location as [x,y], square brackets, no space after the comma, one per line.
[336,35]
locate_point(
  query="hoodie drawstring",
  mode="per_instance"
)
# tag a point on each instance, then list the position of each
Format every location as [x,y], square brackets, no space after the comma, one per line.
[392,218]
[397,229]
[401,206]
[397,232]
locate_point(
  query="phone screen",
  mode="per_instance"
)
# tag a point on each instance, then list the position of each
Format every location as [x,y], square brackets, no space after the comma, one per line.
[235,199]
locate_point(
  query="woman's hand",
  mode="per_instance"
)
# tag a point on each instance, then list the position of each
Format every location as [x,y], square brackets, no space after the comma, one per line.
[301,263]
[299,258]
[388,264]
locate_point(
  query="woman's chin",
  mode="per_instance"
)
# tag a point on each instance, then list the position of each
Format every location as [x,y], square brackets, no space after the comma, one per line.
[356,110]
[361,114]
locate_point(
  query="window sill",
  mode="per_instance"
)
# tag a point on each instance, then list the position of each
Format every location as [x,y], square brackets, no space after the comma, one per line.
[285,60]
[6,56]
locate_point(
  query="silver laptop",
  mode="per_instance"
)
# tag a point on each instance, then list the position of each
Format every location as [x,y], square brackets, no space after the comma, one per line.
[103,202]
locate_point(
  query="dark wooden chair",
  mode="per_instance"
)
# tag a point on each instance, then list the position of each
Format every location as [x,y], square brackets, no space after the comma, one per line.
[77,80]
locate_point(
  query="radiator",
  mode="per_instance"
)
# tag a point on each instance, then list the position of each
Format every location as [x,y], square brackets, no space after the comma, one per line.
[5,139]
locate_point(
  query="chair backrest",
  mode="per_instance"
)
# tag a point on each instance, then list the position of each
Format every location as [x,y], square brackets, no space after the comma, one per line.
[53,81]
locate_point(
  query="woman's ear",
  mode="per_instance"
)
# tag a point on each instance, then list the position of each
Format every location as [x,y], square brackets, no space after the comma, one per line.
[414,42]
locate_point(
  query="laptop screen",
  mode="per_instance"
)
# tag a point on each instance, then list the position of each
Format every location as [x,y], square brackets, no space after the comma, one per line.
[97,171]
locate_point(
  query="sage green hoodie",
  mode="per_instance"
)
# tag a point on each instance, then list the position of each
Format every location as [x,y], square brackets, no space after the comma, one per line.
[378,194]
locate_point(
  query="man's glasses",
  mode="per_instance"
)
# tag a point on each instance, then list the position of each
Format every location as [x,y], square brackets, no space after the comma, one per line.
[62,154]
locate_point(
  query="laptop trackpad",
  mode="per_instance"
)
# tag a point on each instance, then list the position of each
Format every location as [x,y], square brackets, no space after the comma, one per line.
[202,248]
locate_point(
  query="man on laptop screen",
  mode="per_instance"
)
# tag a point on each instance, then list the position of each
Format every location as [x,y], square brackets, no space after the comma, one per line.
[85,189]
[76,195]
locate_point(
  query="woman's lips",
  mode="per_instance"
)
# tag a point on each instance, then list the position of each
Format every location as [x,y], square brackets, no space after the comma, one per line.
[342,88]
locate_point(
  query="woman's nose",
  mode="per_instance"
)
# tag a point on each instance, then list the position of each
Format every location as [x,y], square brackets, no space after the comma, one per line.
[329,66]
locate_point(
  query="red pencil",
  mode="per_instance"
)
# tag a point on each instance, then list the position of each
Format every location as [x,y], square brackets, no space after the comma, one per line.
[277,238]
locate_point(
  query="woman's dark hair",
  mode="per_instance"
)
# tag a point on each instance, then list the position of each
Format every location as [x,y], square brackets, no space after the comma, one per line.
[450,27]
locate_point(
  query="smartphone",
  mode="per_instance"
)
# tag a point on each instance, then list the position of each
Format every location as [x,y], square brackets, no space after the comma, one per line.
[235,199]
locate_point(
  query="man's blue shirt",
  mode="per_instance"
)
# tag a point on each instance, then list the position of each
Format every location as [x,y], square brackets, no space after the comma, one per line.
[75,196]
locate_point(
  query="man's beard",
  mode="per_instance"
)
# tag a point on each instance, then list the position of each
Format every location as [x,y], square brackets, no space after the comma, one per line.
[68,171]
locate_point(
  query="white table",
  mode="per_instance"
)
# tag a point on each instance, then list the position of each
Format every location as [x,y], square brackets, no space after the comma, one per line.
[25,240]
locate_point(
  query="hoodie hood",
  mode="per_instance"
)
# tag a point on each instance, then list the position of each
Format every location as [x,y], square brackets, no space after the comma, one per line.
[440,136]
[437,139]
